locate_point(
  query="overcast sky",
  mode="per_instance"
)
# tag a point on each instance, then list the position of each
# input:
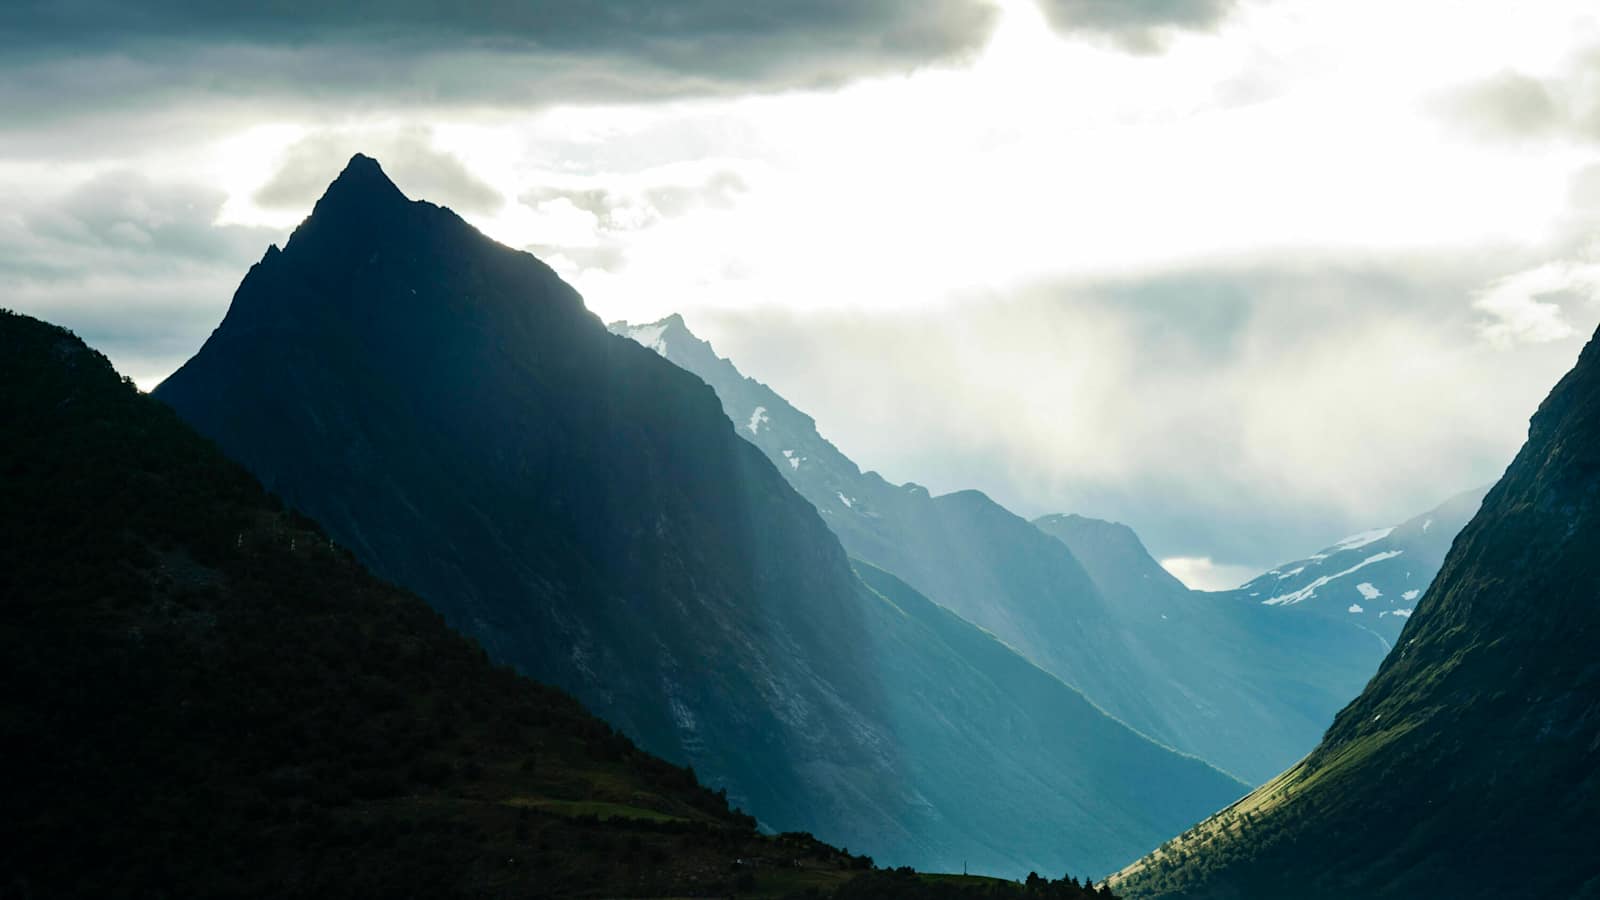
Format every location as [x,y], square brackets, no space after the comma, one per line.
[1246,276]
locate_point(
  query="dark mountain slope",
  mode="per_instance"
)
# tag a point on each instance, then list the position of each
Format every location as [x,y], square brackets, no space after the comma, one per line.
[1470,766]
[447,407]
[1039,712]
[206,697]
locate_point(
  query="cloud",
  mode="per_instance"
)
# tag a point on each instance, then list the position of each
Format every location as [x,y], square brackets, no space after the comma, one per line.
[117,225]
[1508,105]
[1527,307]
[603,213]
[663,195]
[680,32]
[125,213]
[408,156]
[1201,574]
[1516,106]
[1584,189]
[137,267]
[66,60]
[1139,26]
[719,190]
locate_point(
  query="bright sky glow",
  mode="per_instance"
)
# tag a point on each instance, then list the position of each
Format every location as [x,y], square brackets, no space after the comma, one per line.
[1297,126]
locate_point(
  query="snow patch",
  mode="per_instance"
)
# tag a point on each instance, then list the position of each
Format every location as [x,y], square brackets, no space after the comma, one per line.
[757,419]
[1410,595]
[1426,525]
[793,458]
[1397,613]
[1357,541]
[1291,573]
[849,504]
[1368,592]
[1310,590]
[650,336]
[1355,608]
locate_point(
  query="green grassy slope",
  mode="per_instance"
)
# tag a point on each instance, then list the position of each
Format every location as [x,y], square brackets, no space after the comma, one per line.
[1470,766]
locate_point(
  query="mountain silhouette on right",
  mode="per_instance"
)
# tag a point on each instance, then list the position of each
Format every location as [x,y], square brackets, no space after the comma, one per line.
[1470,766]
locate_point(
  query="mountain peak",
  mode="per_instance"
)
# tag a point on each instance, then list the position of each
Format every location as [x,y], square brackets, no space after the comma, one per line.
[673,323]
[674,327]
[362,162]
[667,336]
[1113,554]
[363,182]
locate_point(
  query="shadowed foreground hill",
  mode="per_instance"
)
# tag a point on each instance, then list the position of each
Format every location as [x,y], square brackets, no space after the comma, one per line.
[1470,766]
[205,697]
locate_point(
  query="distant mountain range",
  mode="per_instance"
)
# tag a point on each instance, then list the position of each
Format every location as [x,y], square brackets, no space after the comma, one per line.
[1374,579]
[1247,685]
[448,409]
[1470,765]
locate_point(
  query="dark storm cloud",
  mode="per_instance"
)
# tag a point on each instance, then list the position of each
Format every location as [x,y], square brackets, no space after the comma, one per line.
[408,157]
[67,57]
[1139,26]
[677,31]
